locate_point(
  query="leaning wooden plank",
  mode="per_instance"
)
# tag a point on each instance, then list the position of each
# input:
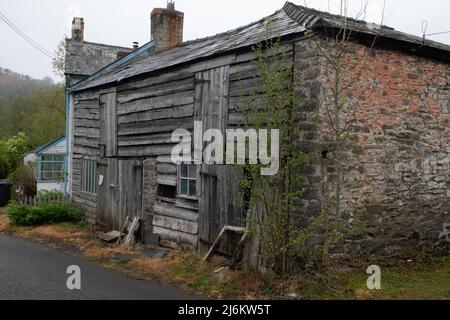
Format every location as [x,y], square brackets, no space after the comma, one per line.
[215,244]
[235,257]
[130,239]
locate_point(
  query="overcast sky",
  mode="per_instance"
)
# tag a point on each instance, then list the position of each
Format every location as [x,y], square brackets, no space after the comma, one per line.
[121,22]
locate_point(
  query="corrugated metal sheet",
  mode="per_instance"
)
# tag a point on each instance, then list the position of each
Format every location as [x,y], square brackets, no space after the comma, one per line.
[279,24]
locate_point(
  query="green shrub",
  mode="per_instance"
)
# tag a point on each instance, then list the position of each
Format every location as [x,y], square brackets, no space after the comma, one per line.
[27,215]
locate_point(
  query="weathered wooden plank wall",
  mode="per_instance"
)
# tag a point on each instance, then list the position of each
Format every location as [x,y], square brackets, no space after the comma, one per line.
[134,122]
[85,146]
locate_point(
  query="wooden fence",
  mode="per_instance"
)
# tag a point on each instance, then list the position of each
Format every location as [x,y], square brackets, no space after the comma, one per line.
[42,199]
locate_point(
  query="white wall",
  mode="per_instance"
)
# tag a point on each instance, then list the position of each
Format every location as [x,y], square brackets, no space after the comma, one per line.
[50,186]
[30,158]
[59,148]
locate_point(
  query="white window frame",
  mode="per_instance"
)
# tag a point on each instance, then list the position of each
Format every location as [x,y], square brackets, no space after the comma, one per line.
[188,179]
[89,176]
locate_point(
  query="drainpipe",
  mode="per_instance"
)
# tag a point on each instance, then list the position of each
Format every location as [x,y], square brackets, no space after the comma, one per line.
[66,173]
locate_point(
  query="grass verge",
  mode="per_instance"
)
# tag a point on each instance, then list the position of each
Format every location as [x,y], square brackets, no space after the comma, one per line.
[422,278]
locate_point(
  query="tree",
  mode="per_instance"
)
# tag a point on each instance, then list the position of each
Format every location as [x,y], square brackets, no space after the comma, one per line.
[273,201]
[59,62]
[11,151]
[340,106]
[43,107]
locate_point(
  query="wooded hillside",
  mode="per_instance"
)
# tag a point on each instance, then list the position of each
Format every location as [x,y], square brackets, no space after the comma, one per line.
[35,107]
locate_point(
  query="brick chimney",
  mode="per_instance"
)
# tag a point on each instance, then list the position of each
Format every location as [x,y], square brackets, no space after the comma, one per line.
[167,26]
[78,29]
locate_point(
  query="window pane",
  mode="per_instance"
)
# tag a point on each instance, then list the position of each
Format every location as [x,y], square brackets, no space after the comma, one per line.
[47,158]
[58,158]
[46,166]
[46,176]
[192,188]
[58,166]
[184,187]
[193,171]
[183,170]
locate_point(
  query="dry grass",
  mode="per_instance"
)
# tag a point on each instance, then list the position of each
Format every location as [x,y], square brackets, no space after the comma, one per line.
[4,221]
[427,279]
[95,250]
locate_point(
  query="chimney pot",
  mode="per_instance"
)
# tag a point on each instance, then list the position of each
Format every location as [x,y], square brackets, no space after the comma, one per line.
[135,45]
[78,29]
[167,26]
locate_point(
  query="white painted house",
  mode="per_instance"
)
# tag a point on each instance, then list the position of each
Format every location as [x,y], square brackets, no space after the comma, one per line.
[50,159]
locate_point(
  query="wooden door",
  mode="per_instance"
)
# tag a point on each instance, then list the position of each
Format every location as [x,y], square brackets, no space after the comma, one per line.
[108,124]
[108,200]
[130,189]
[218,201]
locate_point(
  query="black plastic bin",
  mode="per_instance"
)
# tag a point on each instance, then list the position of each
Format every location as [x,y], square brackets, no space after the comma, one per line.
[5,192]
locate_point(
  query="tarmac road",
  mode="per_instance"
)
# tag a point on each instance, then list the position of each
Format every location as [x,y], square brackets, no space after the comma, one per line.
[30,271]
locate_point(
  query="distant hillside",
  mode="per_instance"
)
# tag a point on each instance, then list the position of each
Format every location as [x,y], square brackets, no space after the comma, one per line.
[34,107]
[14,86]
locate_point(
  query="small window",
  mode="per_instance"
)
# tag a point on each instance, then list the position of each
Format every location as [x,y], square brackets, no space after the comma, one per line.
[89,176]
[51,168]
[187,180]
[168,192]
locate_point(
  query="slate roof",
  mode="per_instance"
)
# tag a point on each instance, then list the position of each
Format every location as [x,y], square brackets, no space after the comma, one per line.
[291,19]
[312,19]
[280,25]
[85,58]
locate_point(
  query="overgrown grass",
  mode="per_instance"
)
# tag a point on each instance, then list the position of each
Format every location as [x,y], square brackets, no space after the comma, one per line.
[423,278]
[28,215]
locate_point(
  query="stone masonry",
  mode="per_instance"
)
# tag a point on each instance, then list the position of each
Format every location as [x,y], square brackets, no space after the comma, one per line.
[396,164]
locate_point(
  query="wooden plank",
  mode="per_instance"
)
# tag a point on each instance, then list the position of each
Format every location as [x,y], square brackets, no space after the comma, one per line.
[166,101]
[85,151]
[155,126]
[154,80]
[167,179]
[170,210]
[86,142]
[175,224]
[177,236]
[87,123]
[89,114]
[166,113]
[157,90]
[143,140]
[166,168]
[144,151]
[87,132]
[109,118]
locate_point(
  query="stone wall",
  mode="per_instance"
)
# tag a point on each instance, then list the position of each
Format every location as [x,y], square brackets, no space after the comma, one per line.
[149,192]
[396,163]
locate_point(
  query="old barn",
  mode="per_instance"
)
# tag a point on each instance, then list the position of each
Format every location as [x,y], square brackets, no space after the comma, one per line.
[122,119]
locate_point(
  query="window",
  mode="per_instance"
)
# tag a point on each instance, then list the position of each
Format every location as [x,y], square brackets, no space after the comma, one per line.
[51,168]
[187,180]
[89,176]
